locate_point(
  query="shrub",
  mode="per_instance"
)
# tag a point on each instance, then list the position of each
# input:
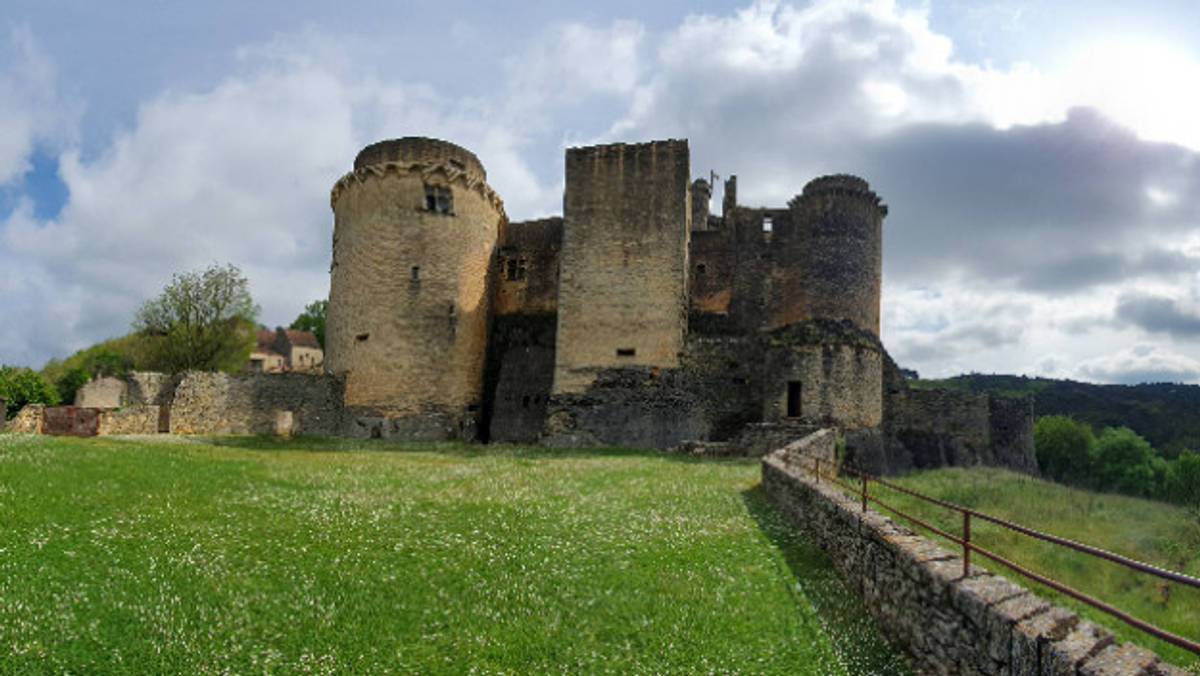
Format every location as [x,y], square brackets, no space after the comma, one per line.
[1065,449]
[1183,480]
[1124,462]
[21,386]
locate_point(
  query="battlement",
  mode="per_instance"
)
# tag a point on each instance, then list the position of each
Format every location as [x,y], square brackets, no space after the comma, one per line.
[634,158]
[423,150]
[841,185]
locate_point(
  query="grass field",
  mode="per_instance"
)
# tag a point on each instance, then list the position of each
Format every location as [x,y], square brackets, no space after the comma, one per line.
[317,556]
[1153,532]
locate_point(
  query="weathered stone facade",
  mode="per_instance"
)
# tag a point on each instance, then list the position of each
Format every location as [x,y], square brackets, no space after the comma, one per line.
[637,318]
[219,403]
[415,229]
[948,623]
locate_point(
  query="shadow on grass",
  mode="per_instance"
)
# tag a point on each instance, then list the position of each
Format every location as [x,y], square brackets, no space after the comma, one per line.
[456,449]
[853,633]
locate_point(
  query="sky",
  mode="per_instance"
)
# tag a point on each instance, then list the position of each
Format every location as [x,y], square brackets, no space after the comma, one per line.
[1041,160]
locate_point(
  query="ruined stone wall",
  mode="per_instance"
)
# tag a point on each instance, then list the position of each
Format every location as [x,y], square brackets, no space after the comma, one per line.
[838,384]
[526,268]
[636,407]
[623,286]
[148,387]
[725,373]
[105,392]
[520,376]
[409,297]
[713,261]
[137,419]
[219,403]
[832,268]
[29,420]
[980,624]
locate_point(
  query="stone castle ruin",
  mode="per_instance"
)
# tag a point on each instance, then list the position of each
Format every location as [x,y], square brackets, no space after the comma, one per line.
[637,318]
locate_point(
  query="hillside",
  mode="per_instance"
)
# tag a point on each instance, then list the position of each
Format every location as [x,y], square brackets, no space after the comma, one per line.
[1166,414]
[1159,534]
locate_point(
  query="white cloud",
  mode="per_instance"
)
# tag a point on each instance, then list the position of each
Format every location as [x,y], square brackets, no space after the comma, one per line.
[1143,363]
[31,110]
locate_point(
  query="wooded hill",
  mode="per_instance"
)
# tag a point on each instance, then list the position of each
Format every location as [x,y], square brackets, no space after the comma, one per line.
[1166,414]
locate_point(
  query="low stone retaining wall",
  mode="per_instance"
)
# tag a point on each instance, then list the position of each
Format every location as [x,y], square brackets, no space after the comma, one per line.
[29,420]
[981,624]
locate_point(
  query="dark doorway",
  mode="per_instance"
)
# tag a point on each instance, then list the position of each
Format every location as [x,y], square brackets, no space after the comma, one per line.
[793,399]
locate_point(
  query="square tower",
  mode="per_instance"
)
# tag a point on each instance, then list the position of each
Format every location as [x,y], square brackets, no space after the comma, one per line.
[622,295]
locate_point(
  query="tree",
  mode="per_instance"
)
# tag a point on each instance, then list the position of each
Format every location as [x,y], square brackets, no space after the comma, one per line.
[203,321]
[1183,480]
[1064,449]
[1124,462]
[313,319]
[21,386]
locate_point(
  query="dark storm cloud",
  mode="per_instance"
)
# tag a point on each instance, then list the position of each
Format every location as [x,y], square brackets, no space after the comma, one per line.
[1158,314]
[1053,207]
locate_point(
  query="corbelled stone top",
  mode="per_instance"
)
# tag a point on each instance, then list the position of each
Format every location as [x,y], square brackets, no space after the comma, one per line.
[420,149]
[840,184]
[836,182]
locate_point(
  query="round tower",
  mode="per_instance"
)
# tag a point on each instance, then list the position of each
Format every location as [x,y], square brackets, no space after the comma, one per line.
[833,263]
[415,226]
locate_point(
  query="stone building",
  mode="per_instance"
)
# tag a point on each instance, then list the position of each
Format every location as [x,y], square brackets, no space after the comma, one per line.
[638,318]
[286,350]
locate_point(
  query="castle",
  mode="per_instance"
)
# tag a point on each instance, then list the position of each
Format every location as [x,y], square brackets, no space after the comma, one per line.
[638,318]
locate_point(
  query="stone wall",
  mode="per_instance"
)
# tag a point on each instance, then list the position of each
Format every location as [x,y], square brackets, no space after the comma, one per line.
[520,376]
[138,419]
[219,403]
[105,392]
[148,387]
[980,624]
[526,268]
[29,420]
[938,428]
[622,295]
[409,297]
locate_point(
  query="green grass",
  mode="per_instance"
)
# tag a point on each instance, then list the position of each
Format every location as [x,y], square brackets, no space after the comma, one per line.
[1153,532]
[245,555]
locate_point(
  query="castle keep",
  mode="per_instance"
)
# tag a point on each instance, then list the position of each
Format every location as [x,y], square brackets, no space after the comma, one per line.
[638,318]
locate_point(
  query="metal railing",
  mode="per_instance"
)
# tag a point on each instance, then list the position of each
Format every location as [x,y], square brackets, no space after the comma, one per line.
[964,541]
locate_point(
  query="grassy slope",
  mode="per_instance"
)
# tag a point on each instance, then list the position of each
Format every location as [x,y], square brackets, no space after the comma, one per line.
[180,557]
[1149,531]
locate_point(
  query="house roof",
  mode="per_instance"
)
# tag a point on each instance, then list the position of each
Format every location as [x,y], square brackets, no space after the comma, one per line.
[303,339]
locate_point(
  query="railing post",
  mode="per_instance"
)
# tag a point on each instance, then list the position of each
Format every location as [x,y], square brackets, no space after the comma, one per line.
[966,543]
[817,468]
[864,491]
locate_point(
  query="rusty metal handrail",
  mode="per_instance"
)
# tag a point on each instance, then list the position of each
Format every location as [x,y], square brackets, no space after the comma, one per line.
[967,546]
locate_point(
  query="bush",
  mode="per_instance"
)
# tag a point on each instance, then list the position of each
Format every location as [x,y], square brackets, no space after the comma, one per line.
[1125,462]
[1183,480]
[21,386]
[1065,449]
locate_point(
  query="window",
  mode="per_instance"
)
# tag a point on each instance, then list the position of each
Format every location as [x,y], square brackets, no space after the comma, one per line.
[793,399]
[415,273]
[439,199]
[525,401]
[701,269]
[626,351]
[362,337]
[514,269]
[768,224]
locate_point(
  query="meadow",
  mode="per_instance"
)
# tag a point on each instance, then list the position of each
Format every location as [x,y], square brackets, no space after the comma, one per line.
[240,555]
[1157,533]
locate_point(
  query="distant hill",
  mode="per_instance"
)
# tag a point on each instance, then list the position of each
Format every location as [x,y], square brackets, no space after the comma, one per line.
[1166,414]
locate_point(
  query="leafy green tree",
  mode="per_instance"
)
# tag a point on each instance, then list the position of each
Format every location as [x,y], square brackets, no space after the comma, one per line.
[21,386]
[70,382]
[313,319]
[1065,449]
[1183,480]
[1124,462]
[202,321]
